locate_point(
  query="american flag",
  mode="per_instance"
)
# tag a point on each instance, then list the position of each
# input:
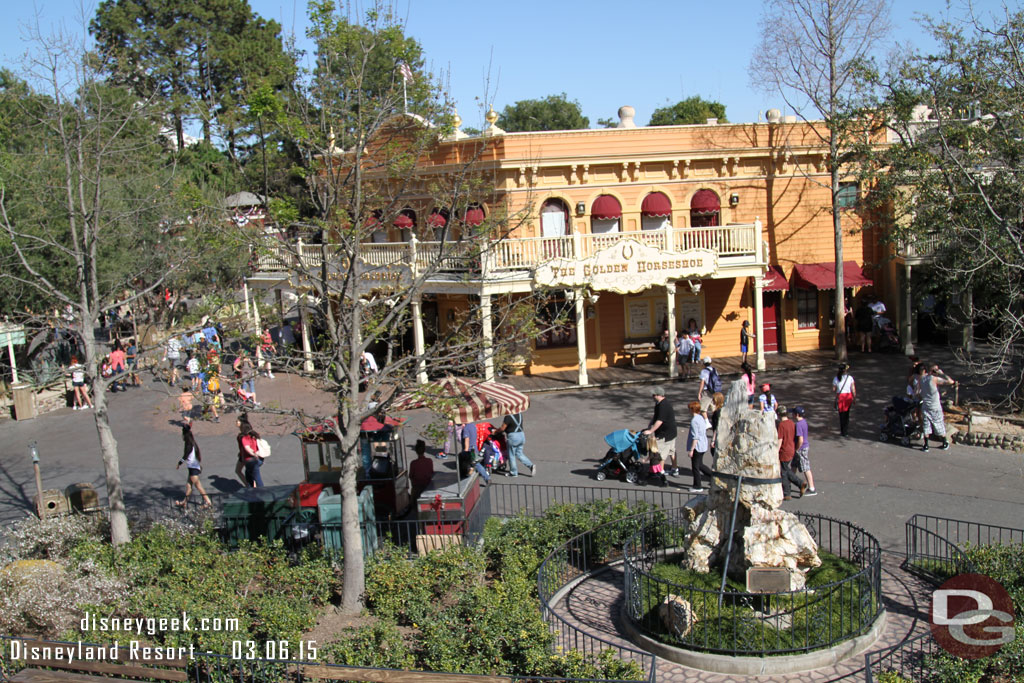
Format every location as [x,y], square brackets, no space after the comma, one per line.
[406,72]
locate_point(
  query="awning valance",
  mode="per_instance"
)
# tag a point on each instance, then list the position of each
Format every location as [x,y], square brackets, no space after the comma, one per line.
[705,202]
[656,204]
[437,220]
[404,220]
[474,216]
[606,207]
[775,280]
[823,275]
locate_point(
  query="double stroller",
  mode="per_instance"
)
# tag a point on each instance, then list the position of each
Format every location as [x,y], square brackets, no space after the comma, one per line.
[900,424]
[625,457]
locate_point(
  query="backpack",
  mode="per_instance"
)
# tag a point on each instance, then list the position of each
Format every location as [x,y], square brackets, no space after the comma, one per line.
[262,448]
[213,386]
[714,381]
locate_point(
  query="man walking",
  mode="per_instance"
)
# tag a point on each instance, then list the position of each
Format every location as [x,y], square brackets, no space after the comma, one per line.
[932,418]
[803,460]
[710,383]
[663,426]
[786,431]
[512,426]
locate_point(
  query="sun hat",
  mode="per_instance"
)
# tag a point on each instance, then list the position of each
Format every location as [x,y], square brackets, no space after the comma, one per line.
[707,360]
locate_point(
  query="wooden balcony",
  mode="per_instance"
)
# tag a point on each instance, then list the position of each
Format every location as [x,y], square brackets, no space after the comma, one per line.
[735,246]
[919,251]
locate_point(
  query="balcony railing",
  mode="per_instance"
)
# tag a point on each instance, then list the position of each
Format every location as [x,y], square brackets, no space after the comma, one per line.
[734,244]
[920,248]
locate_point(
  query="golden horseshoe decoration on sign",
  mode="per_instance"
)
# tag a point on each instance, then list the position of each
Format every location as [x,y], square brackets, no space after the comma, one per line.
[627,251]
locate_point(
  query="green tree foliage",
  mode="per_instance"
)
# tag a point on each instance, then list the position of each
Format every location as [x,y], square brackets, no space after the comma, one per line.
[554,112]
[691,110]
[956,175]
[203,57]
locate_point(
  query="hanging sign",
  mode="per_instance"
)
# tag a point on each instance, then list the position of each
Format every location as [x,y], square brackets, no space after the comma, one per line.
[365,278]
[626,267]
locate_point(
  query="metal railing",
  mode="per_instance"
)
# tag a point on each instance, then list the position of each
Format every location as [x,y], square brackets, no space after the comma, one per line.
[580,556]
[733,243]
[740,623]
[908,659]
[533,500]
[935,545]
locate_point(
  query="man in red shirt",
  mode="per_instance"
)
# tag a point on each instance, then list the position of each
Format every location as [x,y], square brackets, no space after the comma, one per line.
[787,449]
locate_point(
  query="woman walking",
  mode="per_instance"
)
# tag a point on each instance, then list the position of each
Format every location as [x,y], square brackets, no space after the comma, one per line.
[697,445]
[192,459]
[845,390]
[249,462]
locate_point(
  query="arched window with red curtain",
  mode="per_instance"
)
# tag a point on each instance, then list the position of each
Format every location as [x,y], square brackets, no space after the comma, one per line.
[705,211]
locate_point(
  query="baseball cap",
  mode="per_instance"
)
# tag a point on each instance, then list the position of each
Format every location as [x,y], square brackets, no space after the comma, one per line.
[707,360]
[782,410]
[798,410]
[657,391]
[766,387]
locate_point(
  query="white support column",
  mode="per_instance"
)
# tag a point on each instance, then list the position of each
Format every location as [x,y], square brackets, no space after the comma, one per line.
[245,296]
[488,347]
[670,313]
[10,354]
[259,328]
[908,314]
[759,320]
[307,350]
[417,339]
[581,337]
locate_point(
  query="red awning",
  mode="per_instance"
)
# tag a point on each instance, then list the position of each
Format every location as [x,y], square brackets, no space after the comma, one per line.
[437,220]
[823,275]
[373,424]
[371,221]
[606,207]
[474,216]
[705,201]
[656,204]
[404,220]
[775,280]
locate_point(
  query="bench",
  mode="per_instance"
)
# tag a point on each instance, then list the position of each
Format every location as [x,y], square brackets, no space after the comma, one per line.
[641,349]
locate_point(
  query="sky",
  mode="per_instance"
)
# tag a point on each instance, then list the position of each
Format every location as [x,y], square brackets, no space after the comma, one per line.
[601,53]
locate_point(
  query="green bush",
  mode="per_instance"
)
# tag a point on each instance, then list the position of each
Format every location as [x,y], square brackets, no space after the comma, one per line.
[379,644]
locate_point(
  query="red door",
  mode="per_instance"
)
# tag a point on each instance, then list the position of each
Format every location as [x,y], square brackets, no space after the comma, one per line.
[772,308]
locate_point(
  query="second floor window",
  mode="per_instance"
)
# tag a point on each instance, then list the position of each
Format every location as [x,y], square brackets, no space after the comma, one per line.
[846,197]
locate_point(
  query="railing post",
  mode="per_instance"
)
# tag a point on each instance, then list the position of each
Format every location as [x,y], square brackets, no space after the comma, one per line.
[413,265]
[302,260]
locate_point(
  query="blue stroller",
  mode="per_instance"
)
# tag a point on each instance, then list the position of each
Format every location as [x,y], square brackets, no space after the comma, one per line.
[624,457]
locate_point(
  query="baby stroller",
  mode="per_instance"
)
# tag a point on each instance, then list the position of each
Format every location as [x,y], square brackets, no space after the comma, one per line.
[888,338]
[624,457]
[899,421]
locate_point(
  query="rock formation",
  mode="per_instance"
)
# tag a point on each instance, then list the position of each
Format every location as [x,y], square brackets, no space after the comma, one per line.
[677,615]
[764,535]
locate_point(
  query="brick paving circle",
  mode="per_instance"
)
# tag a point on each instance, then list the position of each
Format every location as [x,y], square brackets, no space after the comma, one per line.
[595,606]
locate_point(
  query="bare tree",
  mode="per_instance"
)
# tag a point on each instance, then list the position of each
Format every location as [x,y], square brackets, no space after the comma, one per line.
[80,210]
[378,153]
[812,53]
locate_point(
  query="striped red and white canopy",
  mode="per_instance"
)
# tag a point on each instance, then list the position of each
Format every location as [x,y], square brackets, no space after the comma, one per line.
[465,400]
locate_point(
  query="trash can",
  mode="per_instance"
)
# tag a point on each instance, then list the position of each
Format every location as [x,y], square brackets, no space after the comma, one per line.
[82,497]
[257,513]
[24,401]
[329,509]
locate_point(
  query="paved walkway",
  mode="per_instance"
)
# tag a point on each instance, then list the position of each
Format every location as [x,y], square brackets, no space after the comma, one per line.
[595,606]
[644,373]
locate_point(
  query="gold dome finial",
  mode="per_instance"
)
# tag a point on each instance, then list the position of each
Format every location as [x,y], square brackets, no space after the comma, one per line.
[456,120]
[492,116]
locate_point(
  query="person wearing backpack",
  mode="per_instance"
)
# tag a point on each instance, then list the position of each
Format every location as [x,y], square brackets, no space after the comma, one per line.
[710,382]
[512,428]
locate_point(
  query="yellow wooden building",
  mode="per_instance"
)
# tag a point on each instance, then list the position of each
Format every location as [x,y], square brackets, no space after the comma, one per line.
[648,228]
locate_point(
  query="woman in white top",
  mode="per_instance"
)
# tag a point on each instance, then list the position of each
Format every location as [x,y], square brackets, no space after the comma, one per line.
[77,371]
[192,459]
[845,390]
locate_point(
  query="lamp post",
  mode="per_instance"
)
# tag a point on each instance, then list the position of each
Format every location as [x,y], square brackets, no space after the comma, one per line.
[33,451]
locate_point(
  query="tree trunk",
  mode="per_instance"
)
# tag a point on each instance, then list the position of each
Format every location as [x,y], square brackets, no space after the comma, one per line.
[108,448]
[353,573]
[837,226]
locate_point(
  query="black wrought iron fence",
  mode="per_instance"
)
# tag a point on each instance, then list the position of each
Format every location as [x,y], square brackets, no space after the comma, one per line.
[582,556]
[935,545]
[533,500]
[680,610]
[908,660]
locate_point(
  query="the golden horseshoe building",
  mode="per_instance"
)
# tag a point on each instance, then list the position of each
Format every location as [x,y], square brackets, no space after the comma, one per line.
[648,228]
